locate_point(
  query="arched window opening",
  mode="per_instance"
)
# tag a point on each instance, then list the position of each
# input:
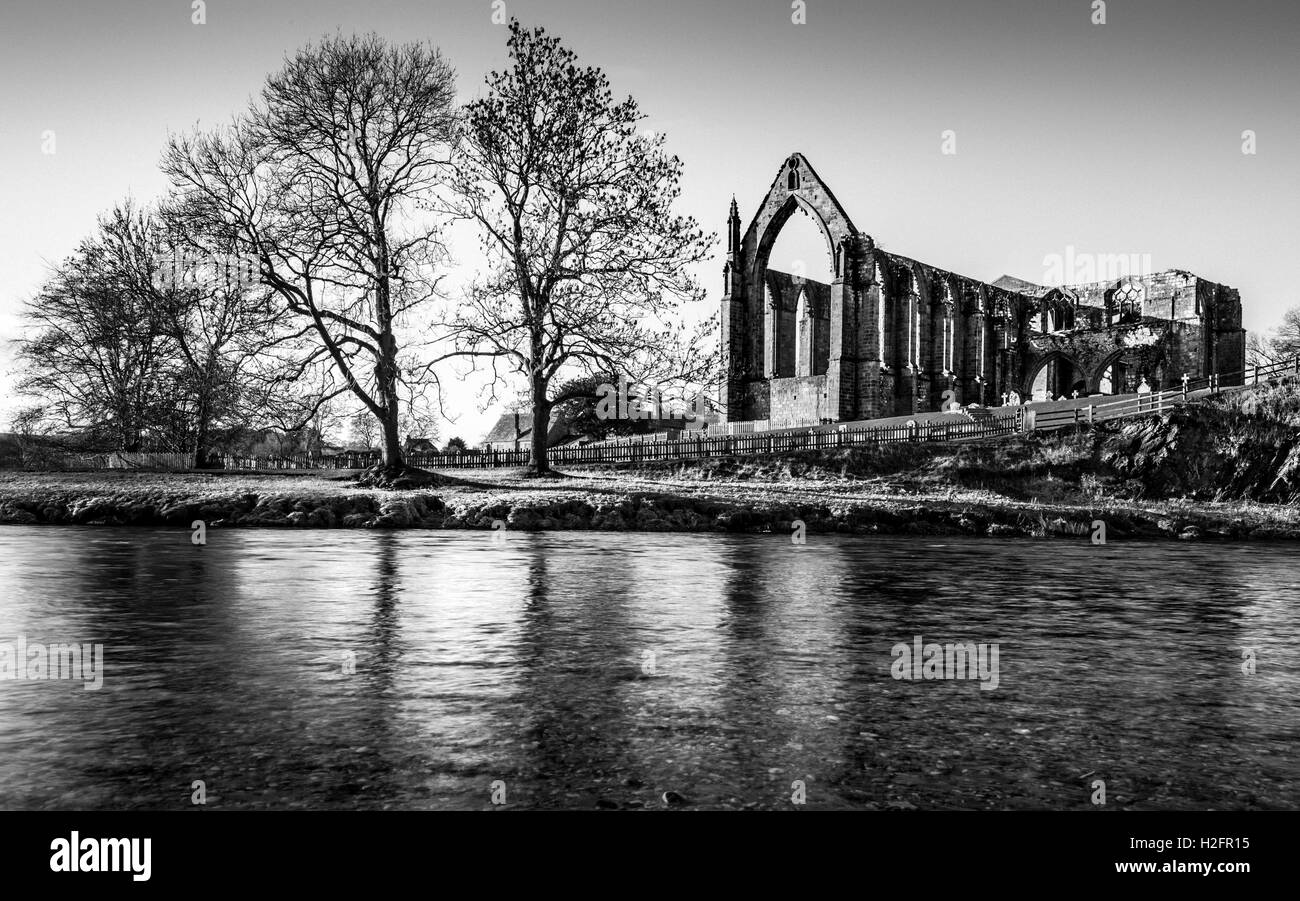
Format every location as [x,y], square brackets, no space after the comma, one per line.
[800,250]
[1128,303]
[1056,379]
[803,316]
[1120,376]
[799,268]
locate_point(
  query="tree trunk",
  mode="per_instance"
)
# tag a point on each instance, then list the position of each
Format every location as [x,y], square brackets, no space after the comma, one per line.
[128,434]
[539,461]
[393,460]
[200,447]
[201,435]
[386,375]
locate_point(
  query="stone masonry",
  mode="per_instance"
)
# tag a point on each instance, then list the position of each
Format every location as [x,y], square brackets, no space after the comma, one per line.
[892,336]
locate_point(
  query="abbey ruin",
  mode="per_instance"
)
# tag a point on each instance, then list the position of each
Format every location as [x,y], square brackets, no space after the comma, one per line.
[890,335]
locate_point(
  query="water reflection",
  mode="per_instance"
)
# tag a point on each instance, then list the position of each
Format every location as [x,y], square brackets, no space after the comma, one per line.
[585,669]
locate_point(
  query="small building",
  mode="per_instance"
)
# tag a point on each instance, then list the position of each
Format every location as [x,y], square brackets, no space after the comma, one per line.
[335,450]
[419,446]
[514,431]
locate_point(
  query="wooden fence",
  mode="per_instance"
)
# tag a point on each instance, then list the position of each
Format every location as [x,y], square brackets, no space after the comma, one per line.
[1159,401]
[695,447]
[747,427]
[141,460]
[699,445]
[484,460]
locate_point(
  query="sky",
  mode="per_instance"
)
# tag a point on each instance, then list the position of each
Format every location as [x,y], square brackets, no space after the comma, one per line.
[1117,138]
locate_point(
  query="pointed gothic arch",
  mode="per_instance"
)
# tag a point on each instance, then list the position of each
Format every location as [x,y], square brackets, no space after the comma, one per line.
[774,328]
[1056,374]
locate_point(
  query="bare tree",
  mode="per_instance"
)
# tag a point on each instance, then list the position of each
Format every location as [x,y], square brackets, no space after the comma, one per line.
[234,352]
[1281,343]
[1259,349]
[31,431]
[147,335]
[328,181]
[586,259]
[95,348]
[365,428]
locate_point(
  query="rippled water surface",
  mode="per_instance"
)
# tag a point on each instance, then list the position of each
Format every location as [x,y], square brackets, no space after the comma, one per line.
[585,669]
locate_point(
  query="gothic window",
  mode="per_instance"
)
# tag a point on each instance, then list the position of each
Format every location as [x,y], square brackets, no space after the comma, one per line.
[880,328]
[946,349]
[914,329]
[803,350]
[1128,302]
[792,180]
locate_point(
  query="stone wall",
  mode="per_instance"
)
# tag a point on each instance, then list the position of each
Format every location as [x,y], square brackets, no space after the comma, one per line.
[894,336]
[798,401]
[797,335]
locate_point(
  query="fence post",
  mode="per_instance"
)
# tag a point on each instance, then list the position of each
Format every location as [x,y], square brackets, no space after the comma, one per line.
[1092,409]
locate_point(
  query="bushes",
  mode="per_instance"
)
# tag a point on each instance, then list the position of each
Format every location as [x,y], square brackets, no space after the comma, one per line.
[1277,401]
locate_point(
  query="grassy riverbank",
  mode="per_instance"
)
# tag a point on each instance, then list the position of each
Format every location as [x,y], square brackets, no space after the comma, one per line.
[1196,474]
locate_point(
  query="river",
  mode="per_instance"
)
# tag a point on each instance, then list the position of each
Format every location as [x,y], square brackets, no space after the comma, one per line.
[432,670]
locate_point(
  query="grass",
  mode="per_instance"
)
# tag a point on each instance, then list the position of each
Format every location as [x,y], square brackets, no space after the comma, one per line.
[1134,474]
